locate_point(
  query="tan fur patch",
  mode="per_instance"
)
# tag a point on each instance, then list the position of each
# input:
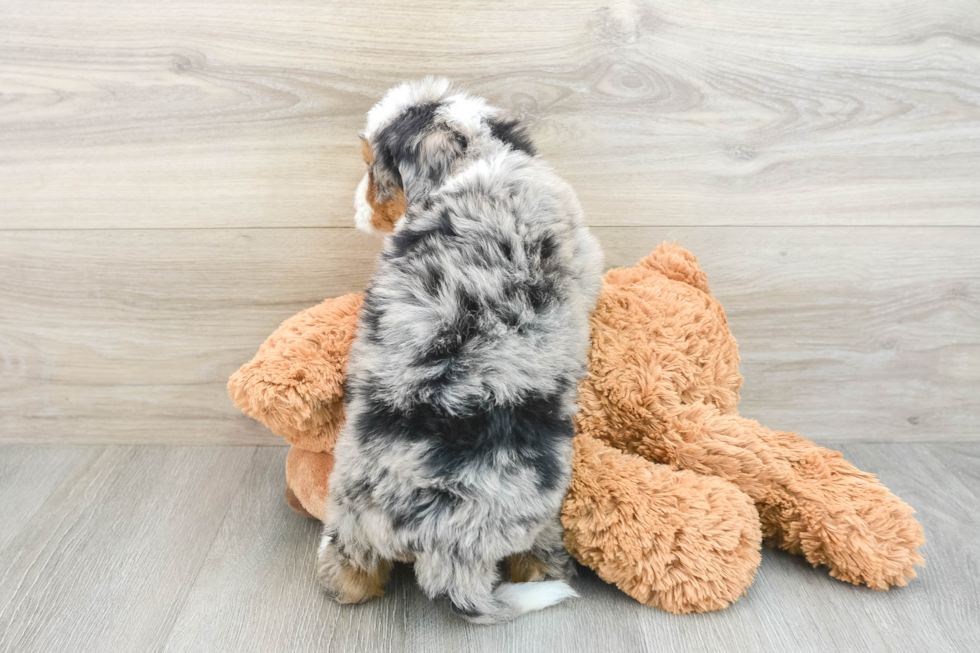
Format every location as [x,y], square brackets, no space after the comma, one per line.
[527,568]
[359,586]
[386,214]
[366,152]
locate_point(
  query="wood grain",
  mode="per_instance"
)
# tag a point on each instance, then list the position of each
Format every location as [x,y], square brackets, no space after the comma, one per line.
[159,320]
[176,179]
[28,476]
[925,476]
[256,589]
[127,556]
[130,336]
[231,114]
[790,606]
[107,560]
[963,461]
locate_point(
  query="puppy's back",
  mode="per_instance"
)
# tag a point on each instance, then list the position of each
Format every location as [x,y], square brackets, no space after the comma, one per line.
[482,296]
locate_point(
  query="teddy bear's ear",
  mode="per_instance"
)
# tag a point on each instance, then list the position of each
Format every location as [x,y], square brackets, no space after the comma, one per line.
[295,383]
[675,262]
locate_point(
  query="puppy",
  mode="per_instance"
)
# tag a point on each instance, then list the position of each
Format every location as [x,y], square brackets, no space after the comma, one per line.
[461,383]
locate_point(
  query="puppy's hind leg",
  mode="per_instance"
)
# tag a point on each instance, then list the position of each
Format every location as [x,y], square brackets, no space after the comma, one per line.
[346,580]
[546,560]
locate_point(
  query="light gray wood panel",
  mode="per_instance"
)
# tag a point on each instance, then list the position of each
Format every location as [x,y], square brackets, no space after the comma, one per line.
[845,334]
[945,594]
[107,560]
[28,476]
[963,460]
[162,114]
[256,592]
[776,614]
[130,336]
[255,589]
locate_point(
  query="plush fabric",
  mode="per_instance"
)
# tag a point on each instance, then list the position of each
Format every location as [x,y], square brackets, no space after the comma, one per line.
[672,491]
[295,384]
[663,386]
[307,476]
[671,539]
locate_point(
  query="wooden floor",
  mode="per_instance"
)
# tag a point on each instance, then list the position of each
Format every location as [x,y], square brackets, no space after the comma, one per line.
[157,548]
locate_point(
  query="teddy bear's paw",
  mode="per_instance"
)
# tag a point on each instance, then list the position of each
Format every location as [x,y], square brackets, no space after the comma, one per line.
[675,540]
[810,500]
[873,542]
[847,520]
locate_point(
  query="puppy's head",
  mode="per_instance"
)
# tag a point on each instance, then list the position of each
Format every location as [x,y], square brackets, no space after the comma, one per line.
[413,139]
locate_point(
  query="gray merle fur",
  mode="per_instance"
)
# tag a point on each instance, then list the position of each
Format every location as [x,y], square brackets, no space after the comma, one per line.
[461,383]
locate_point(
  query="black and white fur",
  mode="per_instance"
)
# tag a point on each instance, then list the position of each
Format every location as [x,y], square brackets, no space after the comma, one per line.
[461,383]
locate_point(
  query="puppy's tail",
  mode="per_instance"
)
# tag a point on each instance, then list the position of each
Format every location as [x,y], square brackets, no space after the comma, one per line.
[528,597]
[510,600]
[469,585]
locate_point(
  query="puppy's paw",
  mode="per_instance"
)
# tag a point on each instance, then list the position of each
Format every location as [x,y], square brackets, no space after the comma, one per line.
[344,581]
[533,566]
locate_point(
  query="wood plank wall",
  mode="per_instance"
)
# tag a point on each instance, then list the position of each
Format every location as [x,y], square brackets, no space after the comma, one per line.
[176,179]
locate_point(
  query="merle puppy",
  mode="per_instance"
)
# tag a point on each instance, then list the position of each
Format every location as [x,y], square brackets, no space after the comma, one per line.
[461,383]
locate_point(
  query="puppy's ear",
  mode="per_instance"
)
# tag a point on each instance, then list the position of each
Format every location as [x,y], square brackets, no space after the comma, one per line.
[366,151]
[417,150]
[512,133]
[377,210]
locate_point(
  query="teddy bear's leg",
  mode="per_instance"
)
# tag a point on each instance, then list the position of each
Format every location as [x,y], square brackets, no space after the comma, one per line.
[345,579]
[671,539]
[296,504]
[307,480]
[546,560]
[810,499]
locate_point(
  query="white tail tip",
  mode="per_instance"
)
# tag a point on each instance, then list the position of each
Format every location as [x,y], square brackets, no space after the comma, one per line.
[527,597]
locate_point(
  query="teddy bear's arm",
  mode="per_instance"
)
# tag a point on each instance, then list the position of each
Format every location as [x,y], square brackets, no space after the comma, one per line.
[295,383]
[810,500]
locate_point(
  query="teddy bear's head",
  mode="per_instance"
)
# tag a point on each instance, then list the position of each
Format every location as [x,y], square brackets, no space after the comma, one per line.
[659,341]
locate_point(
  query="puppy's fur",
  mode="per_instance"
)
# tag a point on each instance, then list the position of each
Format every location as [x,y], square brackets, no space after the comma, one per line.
[461,382]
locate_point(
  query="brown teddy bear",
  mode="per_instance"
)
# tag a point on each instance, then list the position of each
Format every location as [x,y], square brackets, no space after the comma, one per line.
[671,490]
